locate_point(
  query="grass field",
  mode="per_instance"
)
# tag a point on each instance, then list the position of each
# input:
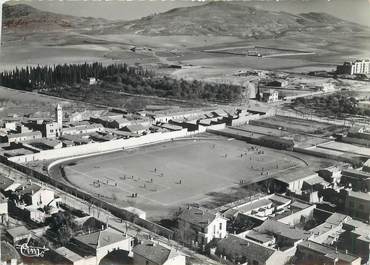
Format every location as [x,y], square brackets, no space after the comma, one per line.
[170,175]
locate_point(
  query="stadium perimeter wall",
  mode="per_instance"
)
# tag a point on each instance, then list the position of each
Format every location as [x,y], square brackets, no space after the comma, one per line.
[65,154]
[58,182]
[111,146]
[114,145]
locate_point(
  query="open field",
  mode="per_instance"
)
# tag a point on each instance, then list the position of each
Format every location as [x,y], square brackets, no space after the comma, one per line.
[167,176]
[259,51]
[346,148]
[300,140]
[297,125]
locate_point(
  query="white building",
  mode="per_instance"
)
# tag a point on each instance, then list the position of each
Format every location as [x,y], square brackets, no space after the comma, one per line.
[59,115]
[22,137]
[356,67]
[199,226]
[101,243]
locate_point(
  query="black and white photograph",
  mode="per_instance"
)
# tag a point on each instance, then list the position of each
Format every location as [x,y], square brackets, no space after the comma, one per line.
[183,132]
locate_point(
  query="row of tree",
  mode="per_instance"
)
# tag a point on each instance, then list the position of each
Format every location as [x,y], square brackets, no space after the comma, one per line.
[29,78]
[334,104]
[120,77]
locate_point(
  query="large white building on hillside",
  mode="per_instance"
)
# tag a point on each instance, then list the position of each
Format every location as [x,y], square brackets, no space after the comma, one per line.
[354,68]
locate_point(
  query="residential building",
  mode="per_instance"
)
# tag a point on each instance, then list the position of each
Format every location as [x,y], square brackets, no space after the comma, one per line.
[245,251]
[92,81]
[354,68]
[135,128]
[355,238]
[9,255]
[150,253]
[329,231]
[270,96]
[100,243]
[278,83]
[298,183]
[22,137]
[83,129]
[119,123]
[358,180]
[357,205]
[366,166]
[284,236]
[3,209]
[18,233]
[198,226]
[309,252]
[332,175]
[51,129]
[65,256]
[34,195]
[7,185]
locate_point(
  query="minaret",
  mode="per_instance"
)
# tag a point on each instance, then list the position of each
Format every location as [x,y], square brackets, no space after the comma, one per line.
[59,115]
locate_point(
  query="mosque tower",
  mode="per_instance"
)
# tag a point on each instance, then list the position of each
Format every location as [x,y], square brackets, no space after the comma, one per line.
[59,115]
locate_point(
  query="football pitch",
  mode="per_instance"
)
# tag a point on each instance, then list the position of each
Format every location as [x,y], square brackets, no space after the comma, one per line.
[164,176]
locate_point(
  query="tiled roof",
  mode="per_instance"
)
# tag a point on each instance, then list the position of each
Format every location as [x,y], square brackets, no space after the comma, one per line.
[5,182]
[101,238]
[234,246]
[336,218]
[326,251]
[28,188]
[359,228]
[316,180]
[197,216]
[284,230]
[134,127]
[155,253]
[249,206]
[259,237]
[293,177]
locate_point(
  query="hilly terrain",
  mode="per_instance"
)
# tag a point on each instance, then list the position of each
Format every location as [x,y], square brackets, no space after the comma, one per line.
[212,19]
[232,19]
[24,18]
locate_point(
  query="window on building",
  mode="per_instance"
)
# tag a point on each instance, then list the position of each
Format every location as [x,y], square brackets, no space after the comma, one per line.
[220,226]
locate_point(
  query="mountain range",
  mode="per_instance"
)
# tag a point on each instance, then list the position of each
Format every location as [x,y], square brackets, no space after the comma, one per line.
[211,19]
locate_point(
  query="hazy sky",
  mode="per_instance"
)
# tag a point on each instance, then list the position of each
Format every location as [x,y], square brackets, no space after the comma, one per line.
[353,10]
